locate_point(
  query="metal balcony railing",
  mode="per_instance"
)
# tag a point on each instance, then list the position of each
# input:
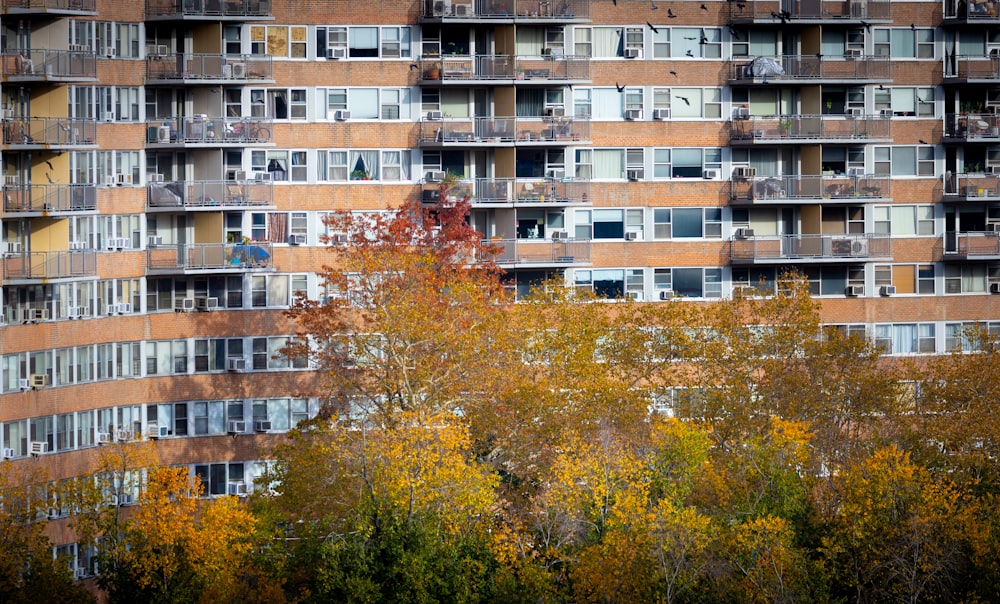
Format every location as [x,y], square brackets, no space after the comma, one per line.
[538,251]
[44,6]
[209,256]
[972,127]
[512,191]
[537,69]
[972,67]
[209,194]
[809,68]
[49,131]
[50,198]
[40,64]
[208,8]
[187,67]
[837,11]
[979,244]
[811,247]
[776,189]
[503,130]
[50,265]
[971,12]
[972,187]
[795,128]
[201,129]
[505,9]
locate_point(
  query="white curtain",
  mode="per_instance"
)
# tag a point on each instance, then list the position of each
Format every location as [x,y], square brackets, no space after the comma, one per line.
[609,163]
[607,42]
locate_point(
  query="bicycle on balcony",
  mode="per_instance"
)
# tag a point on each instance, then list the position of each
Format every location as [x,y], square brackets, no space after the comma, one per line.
[247,130]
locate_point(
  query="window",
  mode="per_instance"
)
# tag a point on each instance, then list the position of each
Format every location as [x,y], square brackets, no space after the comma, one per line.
[213,354]
[582,102]
[966,278]
[681,223]
[395,42]
[278,40]
[333,165]
[905,338]
[904,101]
[269,290]
[904,161]
[395,103]
[904,220]
[267,354]
[362,42]
[904,43]
[685,162]
[300,166]
[693,282]
[696,42]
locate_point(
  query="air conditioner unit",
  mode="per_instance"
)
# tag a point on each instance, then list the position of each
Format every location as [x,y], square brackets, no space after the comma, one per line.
[710,174]
[184,304]
[74,312]
[559,235]
[555,173]
[633,236]
[296,239]
[236,364]
[744,172]
[111,52]
[633,174]
[337,52]
[855,111]
[859,248]
[109,181]
[554,111]
[633,114]
[237,489]
[236,427]
[546,51]
[13,247]
[124,307]
[163,134]
[341,115]
[238,175]
[741,113]
[111,309]
[854,290]
[24,384]
[239,71]
[744,233]
[155,240]
[887,290]
[78,245]
[995,288]
[434,115]
[123,179]
[666,294]
[262,176]
[855,171]
[634,296]
[125,499]
[123,436]
[631,53]
[38,447]
[206,303]
[7,453]
[885,113]
[104,438]
[119,243]
[11,180]
[853,53]
[262,426]
[339,238]
[434,176]
[661,114]
[153,431]
[79,48]
[79,573]
[162,50]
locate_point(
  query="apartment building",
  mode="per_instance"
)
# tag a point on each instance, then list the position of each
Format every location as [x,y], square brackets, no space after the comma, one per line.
[167,166]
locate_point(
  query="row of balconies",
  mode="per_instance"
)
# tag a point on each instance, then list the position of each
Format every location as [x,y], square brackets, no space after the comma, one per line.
[782,129]
[29,133]
[807,248]
[505,10]
[503,131]
[810,69]
[202,130]
[972,127]
[48,65]
[866,188]
[187,68]
[49,199]
[208,9]
[520,69]
[494,192]
[847,12]
[58,7]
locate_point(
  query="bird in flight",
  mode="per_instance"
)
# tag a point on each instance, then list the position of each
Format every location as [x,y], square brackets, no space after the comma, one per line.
[655,31]
[703,7]
[670,13]
[685,99]
[673,73]
[51,180]
[689,53]
[49,164]
[620,88]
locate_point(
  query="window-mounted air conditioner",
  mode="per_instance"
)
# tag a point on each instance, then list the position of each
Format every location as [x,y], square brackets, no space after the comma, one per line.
[155,240]
[710,174]
[237,489]
[184,304]
[853,53]
[119,243]
[296,239]
[261,426]
[434,115]
[744,172]
[744,233]
[206,303]
[11,180]
[13,247]
[161,50]
[125,499]
[434,176]
[38,447]
[633,174]
[110,52]
[633,236]
[111,309]
[24,384]
[123,179]
[554,111]
[79,48]
[885,113]
[854,291]
[633,114]
[78,245]
[236,364]
[104,438]
[666,294]
[559,234]
[79,573]
[661,114]
[153,431]
[887,290]
[236,427]
[262,176]
[39,380]
[341,115]
[634,296]
[855,111]
[337,52]
[124,308]
[75,312]
[855,171]
[555,173]
[7,453]
[631,53]
[741,113]
[109,181]
[995,288]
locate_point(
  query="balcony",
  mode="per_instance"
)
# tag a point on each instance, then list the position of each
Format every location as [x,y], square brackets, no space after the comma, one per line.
[972,187]
[809,69]
[522,69]
[205,257]
[43,65]
[186,68]
[824,189]
[42,266]
[503,131]
[785,129]
[971,69]
[811,248]
[48,133]
[207,10]
[546,11]
[520,253]
[204,131]
[972,127]
[512,192]
[848,12]
[959,12]
[49,199]
[209,195]
[50,7]
[979,245]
